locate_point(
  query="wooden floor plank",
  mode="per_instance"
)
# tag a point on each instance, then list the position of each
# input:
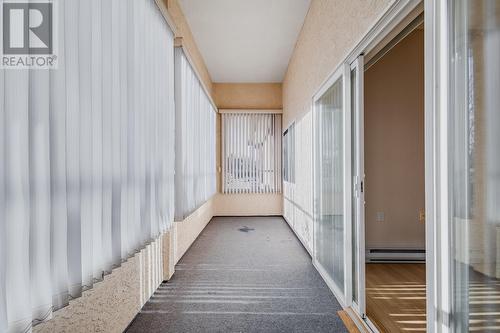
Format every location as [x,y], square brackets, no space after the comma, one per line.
[395,297]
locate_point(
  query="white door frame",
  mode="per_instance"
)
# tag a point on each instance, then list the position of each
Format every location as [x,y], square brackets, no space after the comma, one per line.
[438,241]
[358,184]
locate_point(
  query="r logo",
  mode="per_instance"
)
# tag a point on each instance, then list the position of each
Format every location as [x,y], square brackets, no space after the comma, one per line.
[27,28]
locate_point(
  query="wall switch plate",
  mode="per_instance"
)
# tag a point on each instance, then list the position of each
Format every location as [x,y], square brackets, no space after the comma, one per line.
[380,217]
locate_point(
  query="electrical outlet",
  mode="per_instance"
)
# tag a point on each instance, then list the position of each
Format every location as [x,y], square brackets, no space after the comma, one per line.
[380,217]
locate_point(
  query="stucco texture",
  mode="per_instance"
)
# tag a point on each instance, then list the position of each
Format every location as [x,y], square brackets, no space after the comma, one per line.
[248,95]
[112,304]
[331,29]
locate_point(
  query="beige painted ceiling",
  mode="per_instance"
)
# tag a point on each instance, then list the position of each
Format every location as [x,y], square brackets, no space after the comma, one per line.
[246,40]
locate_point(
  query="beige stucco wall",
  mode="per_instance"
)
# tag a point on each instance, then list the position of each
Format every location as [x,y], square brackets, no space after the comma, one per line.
[394,146]
[248,95]
[186,232]
[112,304]
[249,205]
[332,28]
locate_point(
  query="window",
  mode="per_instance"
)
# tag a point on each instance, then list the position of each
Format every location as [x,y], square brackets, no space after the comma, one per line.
[195,142]
[251,153]
[289,155]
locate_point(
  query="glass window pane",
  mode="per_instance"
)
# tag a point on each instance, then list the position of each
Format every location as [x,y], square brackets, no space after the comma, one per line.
[329,191]
[475,164]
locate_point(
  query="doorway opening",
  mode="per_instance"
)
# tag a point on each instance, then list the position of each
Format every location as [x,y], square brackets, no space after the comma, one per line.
[394,186]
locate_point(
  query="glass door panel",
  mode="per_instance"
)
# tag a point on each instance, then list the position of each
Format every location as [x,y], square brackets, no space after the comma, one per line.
[329,184]
[474,164]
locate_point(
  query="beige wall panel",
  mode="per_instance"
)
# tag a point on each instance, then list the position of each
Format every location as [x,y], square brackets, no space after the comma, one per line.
[112,304]
[248,95]
[249,205]
[394,146]
[168,258]
[186,232]
[331,29]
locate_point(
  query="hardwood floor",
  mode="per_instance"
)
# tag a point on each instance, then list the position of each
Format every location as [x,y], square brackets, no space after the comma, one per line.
[395,297]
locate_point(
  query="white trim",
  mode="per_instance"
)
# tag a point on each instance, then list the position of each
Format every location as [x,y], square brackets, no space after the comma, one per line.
[314,130]
[339,71]
[164,11]
[259,111]
[377,54]
[438,233]
[347,183]
[430,189]
[358,65]
[396,32]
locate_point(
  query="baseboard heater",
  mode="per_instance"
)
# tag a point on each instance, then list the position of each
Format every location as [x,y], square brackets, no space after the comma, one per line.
[395,255]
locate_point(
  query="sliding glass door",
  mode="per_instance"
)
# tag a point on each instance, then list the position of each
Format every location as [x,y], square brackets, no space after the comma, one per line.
[331,188]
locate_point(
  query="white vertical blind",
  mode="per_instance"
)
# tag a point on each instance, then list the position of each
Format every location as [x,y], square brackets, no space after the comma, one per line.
[86,156]
[251,153]
[195,141]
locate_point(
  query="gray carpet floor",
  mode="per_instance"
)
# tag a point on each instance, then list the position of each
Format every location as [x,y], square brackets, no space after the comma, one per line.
[243,275]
